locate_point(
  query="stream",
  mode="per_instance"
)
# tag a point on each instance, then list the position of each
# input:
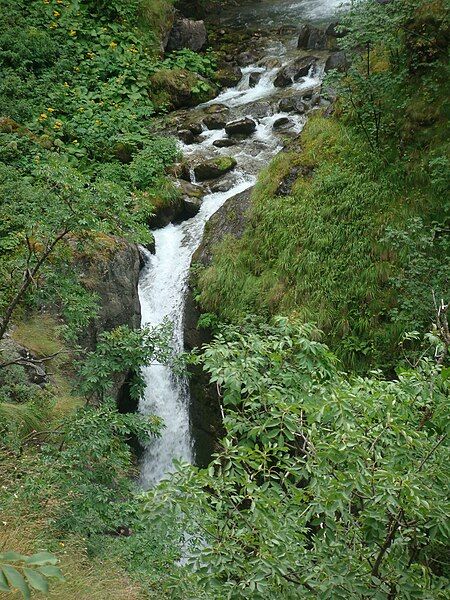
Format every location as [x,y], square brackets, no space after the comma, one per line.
[164,278]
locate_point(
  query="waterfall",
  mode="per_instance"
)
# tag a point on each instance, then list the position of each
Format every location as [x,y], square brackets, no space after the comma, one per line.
[164,278]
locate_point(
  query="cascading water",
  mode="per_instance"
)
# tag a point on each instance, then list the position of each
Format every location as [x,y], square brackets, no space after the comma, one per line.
[164,278]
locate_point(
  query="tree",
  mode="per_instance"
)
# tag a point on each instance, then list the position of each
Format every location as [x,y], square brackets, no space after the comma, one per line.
[326,485]
[43,220]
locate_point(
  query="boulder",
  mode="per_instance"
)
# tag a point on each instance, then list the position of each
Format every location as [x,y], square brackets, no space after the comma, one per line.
[190,190]
[294,70]
[244,126]
[174,88]
[292,104]
[225,143]
[215,121]
[282,122]
[195,128]
[186,136]
[338,61]
[229,76]
[246,58]
[254,79]
[214,168]
[187,33]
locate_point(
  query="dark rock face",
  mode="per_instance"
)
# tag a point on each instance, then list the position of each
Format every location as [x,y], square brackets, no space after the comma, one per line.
[294,71]
[338,61]
[244,126]
[313,38]
[114,278]
[205,413]
[186,33]
[230,219]
[214,168]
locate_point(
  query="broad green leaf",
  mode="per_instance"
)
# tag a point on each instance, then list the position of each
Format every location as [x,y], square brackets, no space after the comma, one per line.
[36,580]
[16,580]
[51,571]
[42,558]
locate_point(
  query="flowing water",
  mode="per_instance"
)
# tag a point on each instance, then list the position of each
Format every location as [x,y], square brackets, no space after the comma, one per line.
[163,281]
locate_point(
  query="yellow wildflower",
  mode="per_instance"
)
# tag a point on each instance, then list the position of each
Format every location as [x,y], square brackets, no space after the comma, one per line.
[50,110]
[56,13]
[72,32]
[53,25]
[113,45]
[43,116]
[57,125]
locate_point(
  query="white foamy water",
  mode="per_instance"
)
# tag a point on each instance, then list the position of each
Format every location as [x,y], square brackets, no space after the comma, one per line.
[162,291]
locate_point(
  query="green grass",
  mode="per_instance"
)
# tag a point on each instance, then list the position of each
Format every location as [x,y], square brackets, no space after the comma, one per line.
[39,333]
[317,252]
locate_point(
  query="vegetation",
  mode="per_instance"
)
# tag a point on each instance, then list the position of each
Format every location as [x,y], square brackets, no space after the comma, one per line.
[356,244]
[331,480]
[326,485]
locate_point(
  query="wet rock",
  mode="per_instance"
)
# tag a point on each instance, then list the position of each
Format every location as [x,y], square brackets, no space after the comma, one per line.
[229,76]
[294,70]
[196,128]
[214,168]
[190,207]
[313,38]
[292,104]
[222,186]
[269,62]
[230,219]
[244,126]
[187,33]
[215,121]
[216,108]
[113,275]
[186,136]
[317,39]
[225,143]
[315,99]
[254,79]
[338,61]
[303,37]
[282,122]
[246,58]
[190,190]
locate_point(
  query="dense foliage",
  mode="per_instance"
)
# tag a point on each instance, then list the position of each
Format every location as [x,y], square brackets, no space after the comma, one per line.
[326,485]
[331,480]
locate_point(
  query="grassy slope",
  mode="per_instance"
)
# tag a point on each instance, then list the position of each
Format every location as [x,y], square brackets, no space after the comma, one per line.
[318,252]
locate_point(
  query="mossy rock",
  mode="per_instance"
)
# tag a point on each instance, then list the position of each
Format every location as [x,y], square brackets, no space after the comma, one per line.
[214,168]
[180,88]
